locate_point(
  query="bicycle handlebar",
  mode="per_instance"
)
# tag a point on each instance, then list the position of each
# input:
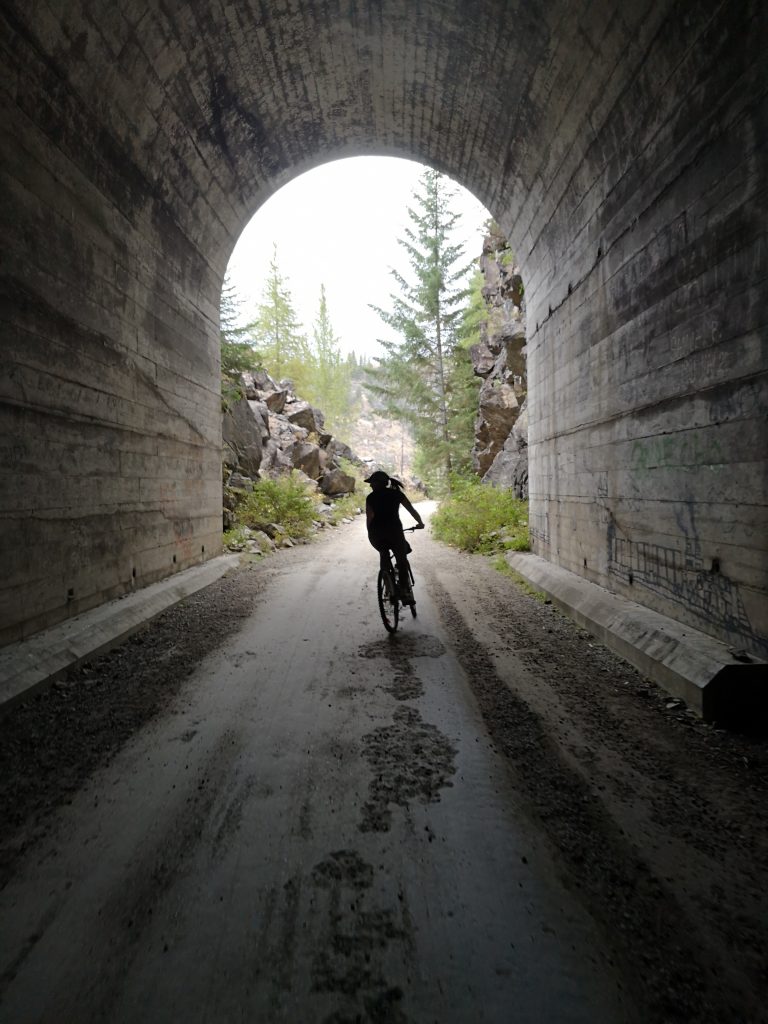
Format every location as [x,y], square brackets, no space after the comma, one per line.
[412,529]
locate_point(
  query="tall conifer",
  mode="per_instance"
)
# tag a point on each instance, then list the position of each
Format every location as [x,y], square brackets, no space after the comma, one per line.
[328,386]
[413,381]
[278,333]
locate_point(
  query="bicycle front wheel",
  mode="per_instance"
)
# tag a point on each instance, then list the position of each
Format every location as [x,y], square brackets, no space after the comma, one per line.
[388,606]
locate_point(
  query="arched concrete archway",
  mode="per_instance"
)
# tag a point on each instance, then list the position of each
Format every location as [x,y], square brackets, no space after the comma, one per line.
[621,148]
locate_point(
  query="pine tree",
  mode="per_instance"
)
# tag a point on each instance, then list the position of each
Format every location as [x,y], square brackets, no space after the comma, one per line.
[328,384]
[464,384]
[413,381]
[237,352]
[281,343]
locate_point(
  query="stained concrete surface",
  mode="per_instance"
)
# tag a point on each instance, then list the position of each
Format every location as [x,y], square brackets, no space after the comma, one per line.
[319,830]
[621,148]
[724,684]
[42,658]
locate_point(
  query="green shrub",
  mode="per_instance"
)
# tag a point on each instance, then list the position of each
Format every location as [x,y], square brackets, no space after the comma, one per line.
[476,517]
[285,501]
[235,539]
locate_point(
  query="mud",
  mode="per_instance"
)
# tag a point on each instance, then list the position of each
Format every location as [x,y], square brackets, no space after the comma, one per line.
[399,650]
[408,759]
[351,957]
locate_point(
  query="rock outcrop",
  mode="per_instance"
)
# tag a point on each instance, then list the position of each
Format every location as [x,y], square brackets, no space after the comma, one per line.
[500,453]
[271,432]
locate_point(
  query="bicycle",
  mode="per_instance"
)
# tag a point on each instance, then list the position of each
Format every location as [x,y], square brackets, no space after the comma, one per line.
[389,587]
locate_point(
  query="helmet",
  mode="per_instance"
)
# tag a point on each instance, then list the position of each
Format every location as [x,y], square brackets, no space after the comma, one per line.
[378,477]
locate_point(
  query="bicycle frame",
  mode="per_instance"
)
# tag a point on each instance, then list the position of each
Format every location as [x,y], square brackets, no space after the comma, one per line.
[387,591]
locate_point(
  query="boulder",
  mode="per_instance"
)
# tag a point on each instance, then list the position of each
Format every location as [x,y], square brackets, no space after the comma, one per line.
[338,450]
[257,380]
[301,477]
[305,455]
[337,482]
[263,540]
[240,482]
[275,401]
[284,432]
[274,460]
[261,414]
[242,434]
[301,414]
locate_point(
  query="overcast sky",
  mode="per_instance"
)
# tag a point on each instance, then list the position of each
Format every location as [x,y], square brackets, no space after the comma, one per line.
[338,225]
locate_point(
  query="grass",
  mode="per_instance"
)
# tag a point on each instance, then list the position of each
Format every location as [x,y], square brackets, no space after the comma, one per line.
[346,507]
[479,518]
[502,565]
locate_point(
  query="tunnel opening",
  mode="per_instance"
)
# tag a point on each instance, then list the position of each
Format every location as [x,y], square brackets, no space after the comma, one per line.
[139,145]
[338,248]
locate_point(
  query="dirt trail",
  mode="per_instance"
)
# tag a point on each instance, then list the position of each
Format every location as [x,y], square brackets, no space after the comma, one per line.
[263,808]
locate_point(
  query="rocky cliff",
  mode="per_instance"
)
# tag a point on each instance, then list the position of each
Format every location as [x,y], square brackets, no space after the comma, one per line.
[271,431]
[500,453]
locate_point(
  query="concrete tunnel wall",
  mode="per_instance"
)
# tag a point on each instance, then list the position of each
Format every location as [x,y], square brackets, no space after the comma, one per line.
[620,146]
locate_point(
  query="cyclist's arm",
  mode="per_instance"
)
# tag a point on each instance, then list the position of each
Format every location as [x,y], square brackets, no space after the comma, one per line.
[409,507]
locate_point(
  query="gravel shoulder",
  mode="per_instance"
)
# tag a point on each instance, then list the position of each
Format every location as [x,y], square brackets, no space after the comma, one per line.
[655,821]
[658,818]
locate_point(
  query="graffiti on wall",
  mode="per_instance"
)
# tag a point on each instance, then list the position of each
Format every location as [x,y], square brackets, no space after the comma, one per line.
[683,576]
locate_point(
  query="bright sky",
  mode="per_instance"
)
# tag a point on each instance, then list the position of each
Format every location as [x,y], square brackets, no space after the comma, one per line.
[338,225]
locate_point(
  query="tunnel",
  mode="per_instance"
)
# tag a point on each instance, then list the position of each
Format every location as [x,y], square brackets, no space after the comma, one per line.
[621,147]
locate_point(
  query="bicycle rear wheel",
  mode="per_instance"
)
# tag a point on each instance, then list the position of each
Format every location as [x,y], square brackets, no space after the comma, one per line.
[388,606]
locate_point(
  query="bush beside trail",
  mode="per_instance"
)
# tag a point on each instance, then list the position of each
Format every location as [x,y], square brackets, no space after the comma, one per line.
[479,518]
[286,507]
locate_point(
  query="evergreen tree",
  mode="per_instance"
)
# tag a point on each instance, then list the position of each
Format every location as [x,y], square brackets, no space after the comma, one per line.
[414,379]
[281,343]
[464,384]
[328,383]
[237,352]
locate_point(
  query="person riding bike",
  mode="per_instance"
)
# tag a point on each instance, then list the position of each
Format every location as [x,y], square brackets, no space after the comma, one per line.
[385,531]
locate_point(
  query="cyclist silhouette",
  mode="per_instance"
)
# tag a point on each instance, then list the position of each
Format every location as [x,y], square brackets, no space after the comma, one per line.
[385,531]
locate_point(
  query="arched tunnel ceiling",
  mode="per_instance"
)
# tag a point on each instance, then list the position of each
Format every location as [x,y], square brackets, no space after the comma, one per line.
[620,146]
[220,103]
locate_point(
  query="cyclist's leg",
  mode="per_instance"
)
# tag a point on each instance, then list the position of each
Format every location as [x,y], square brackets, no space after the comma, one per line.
[401,548]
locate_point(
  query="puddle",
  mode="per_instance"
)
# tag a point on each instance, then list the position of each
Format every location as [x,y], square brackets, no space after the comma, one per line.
[404,645]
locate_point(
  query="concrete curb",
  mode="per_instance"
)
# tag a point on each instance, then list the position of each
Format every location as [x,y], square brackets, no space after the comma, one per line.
[689,664]
[36,662]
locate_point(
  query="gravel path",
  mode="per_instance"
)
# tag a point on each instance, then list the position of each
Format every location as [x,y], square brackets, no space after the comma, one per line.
[643,827]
